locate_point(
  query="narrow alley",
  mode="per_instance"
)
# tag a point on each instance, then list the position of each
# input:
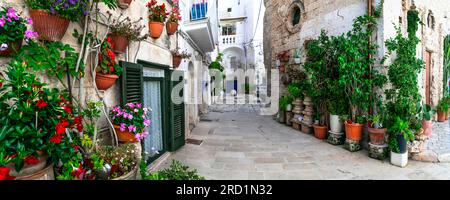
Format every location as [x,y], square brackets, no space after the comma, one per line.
[238,143]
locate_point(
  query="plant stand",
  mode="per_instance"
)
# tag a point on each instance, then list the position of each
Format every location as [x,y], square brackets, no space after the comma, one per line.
[352,145]
[399,160]
[307,128]
[308,112]
[336,138]
[379,152]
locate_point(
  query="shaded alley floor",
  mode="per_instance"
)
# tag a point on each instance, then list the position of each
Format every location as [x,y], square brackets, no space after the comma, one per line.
[240,144]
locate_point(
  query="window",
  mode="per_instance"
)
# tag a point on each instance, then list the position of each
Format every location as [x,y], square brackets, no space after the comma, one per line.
[229,30]
[430,20]
[296,16]
[229,9]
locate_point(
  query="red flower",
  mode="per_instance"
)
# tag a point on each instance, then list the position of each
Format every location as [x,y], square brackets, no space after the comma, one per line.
[56,139]
[109,39]
[114,169]
[31,160]
[68,109]
[4,171]
[111,69]
[41,104]
[61,127]
[77,173]
[75,147]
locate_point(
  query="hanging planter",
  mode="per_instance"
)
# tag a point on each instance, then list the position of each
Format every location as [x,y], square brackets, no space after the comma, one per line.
[156,29]
[171,27]
[124,4]
[11,48]
[130,122]
[105,81]
[176,61]
[119,43]
[49,27]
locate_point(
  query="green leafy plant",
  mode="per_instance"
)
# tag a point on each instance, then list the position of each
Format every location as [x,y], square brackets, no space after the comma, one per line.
[216,64]
[443,106]
[122,160]
[427,112]
[55,58]
[400,127]
[157,13]
[446,65]
[284,102]
[107,60]
[176,171]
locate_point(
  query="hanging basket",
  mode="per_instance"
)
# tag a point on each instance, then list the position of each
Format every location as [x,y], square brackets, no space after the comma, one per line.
[119,43]
[105,81]
[13,47]
[124,4]
[156,29]
[49,27]
[125,136]
[171,27]
[176,61]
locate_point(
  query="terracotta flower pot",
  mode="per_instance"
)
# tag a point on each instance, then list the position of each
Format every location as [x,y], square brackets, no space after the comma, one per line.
[124,4]
[427,127]
[320,132]
[282,69]
[105,82]
[120,43]
[49,27]
[13,47]
[156,29]
[176,61]
[441,116]
[353,131]
[171,27]
[377,135]
[126,136]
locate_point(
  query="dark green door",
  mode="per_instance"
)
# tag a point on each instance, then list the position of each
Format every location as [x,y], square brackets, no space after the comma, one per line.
[177,110]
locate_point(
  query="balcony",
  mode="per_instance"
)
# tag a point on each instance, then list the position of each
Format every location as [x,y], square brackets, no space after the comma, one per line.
[231,40]
[203,24]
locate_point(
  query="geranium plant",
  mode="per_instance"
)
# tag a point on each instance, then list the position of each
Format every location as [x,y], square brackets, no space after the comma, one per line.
[124,26]
[107,60]
[175,15]
[73,10]
[36,118]
[132,117]
[13,29]
[157,13]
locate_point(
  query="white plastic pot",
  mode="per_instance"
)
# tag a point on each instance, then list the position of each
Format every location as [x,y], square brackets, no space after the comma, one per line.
[335,124]
[399,160]
[297,60]
[289,108]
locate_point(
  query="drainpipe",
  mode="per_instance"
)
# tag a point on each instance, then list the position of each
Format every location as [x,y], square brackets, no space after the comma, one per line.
[369,12]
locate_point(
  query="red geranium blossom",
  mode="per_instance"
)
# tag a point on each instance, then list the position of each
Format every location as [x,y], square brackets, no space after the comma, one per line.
[31,160]
[4,171]
[41,104]
[56,139]
[78,172]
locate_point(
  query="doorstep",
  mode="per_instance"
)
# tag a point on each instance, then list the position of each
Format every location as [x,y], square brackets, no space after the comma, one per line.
[155,164]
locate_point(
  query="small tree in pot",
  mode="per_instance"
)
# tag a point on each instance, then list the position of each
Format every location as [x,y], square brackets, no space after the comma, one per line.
[441,109]
[427,124]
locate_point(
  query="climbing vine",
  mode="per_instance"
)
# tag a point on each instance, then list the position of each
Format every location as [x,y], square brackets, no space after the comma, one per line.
[446,64]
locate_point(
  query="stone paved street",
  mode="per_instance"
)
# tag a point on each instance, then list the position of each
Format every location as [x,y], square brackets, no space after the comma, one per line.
[439,143]
[244,145]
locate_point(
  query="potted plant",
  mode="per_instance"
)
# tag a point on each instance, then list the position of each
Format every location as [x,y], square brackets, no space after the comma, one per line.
[399,134]
[174,19]
[297,56]
[377,131]
[114,163]
[441,109]
[108,71]
[13,29]
[320,129]
[43,124]
[124,4]
[283,56]
[130,122]
[426,120]
[216,64]
[123,31]
[178,56]
[157,17]
[51,18]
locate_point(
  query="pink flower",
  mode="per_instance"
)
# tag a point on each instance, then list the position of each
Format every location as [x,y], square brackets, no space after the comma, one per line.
[12,14]
[30,34]
[139,105]
[116,109]
[30,21]
[132,128]
[131,105]
[123,127]
[147,122]
[3,47]
[125,115]
[136,110]
[2,22]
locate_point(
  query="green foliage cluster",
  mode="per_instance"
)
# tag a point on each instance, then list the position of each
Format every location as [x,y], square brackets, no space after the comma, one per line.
[400,127]
[177,171]
[446,64]
[284,102]
[217,63]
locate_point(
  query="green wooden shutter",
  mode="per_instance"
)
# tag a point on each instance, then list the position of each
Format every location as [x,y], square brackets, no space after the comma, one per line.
[177,119]
[132,83]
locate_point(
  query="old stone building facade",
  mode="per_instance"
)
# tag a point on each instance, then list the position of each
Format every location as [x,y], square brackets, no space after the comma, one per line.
[288,24]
